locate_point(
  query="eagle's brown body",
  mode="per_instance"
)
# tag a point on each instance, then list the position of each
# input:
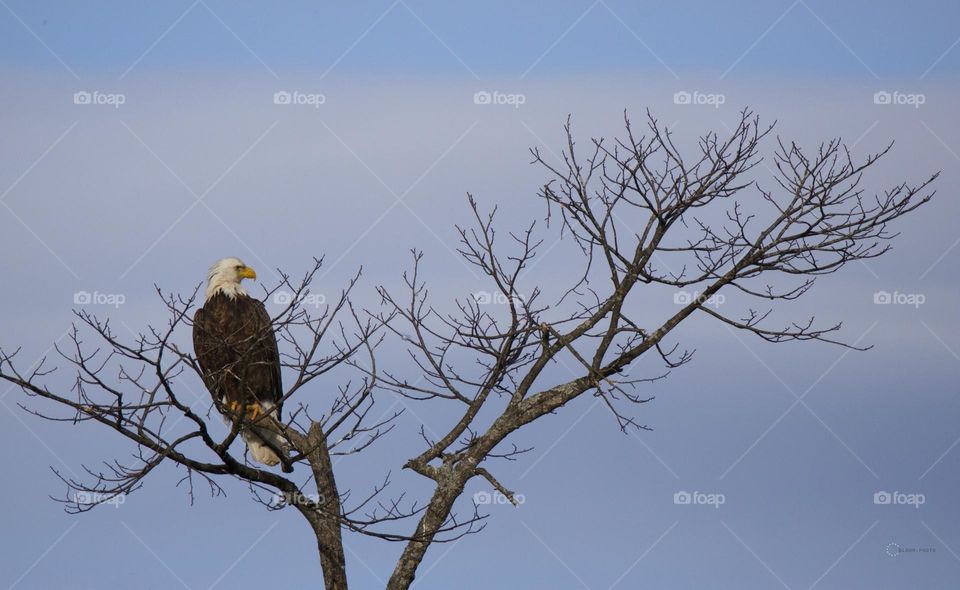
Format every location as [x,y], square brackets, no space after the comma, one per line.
[236,348]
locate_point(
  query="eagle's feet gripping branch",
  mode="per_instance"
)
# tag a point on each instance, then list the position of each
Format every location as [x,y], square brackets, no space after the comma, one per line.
[252,411]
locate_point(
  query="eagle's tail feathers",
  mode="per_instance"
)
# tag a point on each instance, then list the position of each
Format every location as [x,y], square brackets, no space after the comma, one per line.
[268,447]
[261,452]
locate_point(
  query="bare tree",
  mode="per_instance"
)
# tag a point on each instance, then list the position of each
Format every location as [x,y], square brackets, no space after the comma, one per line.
[136,386]
[701,223]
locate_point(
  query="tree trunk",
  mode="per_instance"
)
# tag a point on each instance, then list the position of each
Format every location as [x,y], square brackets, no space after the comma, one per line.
[326,521]
[447,492]
[331,556]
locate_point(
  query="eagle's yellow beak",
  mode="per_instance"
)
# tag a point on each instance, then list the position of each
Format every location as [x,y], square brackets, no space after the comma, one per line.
[248,273]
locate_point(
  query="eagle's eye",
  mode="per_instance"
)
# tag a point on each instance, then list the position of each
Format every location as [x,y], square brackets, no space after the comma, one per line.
[238,267]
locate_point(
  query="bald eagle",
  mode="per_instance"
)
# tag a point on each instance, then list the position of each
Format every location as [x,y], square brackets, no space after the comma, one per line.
[236,348]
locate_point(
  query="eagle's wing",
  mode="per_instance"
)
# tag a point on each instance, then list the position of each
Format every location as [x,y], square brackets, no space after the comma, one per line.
[210,353]
[268,354]
[236,348]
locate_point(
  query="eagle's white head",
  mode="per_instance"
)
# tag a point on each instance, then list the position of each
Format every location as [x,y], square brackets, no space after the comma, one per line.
[225,276]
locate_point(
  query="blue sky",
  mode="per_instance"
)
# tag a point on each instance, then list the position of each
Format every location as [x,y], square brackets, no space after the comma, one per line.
[199,163]
[826,39]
